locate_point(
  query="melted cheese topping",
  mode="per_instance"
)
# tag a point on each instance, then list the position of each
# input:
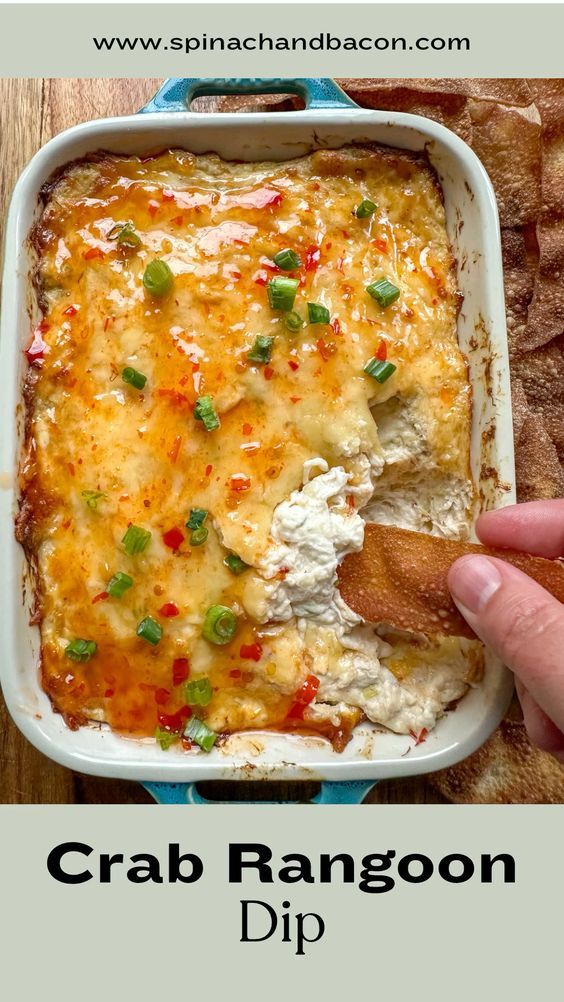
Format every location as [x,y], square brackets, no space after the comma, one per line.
[310,413]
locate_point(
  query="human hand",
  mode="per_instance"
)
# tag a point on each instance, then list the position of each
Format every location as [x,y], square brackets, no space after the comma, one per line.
[515,616]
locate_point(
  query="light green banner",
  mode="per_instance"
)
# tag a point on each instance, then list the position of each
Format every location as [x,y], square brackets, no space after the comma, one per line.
[430,40]
[414,907]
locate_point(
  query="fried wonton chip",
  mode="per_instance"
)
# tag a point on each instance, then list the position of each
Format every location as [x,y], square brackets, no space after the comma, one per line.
[446,109]
[537,468]
[541,376]
[553,174]
[507,141]
[520,260]
[506,770]
[400,578]
[520,409]
[546,313]
[510,91]
[548,96]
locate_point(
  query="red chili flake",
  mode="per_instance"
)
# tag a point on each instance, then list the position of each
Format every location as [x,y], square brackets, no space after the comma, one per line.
[175,396]
[346,234]
[236,673]
[173,538]
[335,327]
[152,207]
[174,722]
[350,501]
[339,265]
[252,652]
[308,691]
[109,693]
[71,310]
[251,448]
[178,220]
[38,347]
[380,243]
[326,348]
[67,523]
[382,351]
[174,449]
[313,257]
[169,609]
[161,696]
[180,670]
[167,195]
[100,597]
[260,278]
[295,400]
[293,365]
[296,711]
[269,265]
[328,245]
[71,469]
[239,482]
[209,468]
[247,429]
[419,738]
[268,372]
[92,253]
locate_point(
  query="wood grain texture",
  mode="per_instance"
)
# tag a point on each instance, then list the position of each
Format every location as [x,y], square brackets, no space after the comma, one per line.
[31,112]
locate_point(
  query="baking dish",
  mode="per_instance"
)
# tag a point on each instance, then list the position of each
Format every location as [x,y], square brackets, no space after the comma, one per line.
[330,119]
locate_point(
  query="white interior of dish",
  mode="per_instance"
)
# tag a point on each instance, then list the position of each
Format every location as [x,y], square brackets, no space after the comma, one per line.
[474,232]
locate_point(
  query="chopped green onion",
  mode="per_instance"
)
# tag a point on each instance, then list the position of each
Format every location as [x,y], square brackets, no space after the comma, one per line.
[205,412]
[383,292]
[200,733]
[235,564]
[80,650]
[118,584]
[293,321]
[158,278]
[281,293]
[365,209]
[133,377]
[381,371]
[92,498]
[287,260]
[165,738]
[198,692]
[318,314]
[198,536]
[125,236]
[150,630]
[220,625]
[197,518]
[262,349]
[135,540]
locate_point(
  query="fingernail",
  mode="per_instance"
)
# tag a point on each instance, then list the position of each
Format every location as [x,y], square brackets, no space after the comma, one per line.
[473,580]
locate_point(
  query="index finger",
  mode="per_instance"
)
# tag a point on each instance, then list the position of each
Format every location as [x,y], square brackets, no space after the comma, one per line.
[535,527]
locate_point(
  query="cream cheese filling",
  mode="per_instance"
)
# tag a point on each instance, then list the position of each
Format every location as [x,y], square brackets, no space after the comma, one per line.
[314,529]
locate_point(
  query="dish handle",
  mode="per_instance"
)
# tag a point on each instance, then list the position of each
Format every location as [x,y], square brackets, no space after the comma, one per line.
[177,93]
[352,792]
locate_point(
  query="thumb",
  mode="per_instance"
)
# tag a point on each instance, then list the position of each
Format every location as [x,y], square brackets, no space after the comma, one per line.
[519,620]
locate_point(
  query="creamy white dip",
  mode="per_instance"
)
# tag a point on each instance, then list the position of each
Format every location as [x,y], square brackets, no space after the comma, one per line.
[314,530]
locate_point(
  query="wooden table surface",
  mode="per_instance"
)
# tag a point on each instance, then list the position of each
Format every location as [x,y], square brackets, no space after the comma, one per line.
[31,112]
